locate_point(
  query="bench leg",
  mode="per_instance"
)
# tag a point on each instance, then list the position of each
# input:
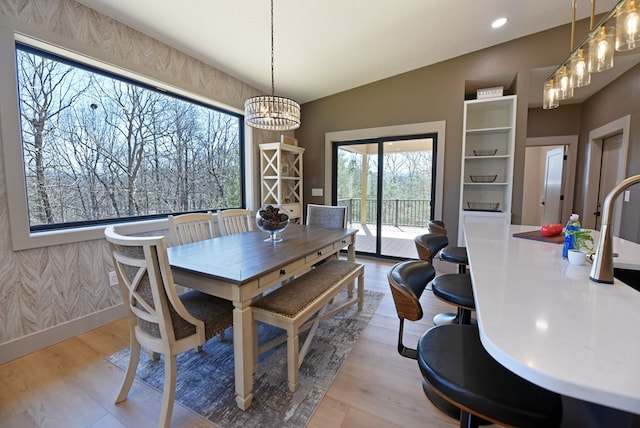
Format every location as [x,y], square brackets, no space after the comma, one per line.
[360,291]
[292,359]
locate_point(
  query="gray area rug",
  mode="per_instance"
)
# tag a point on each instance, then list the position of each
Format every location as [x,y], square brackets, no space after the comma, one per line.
[205,381]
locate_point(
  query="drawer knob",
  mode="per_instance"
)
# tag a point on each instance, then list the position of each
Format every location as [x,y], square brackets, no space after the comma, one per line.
[319,253]
[283,272]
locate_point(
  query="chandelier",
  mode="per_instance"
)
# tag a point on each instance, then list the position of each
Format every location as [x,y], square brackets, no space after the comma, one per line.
[270,111]
[618,30]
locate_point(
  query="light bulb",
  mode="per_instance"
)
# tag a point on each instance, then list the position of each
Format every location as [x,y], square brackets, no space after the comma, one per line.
[601,50]
[631,25]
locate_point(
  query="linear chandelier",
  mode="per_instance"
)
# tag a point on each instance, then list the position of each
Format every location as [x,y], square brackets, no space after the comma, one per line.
[270,111]
[618,30]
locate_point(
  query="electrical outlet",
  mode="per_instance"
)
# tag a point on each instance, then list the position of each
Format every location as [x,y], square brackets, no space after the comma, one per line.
[113,278]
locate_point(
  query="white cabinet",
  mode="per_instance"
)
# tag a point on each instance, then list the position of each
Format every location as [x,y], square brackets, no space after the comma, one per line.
[488,141]
[281,177]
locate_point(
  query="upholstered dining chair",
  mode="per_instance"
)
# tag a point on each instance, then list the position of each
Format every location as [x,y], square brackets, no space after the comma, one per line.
[191,227]
[159,319]
[326,216]
[234,221]
[330,216]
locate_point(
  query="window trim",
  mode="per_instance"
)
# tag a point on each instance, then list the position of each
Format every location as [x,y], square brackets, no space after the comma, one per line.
[21,236]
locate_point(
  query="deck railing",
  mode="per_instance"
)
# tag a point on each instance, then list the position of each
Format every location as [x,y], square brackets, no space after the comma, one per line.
[396,212]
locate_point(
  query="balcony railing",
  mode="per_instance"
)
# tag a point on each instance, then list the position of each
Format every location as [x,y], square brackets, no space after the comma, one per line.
[396,212]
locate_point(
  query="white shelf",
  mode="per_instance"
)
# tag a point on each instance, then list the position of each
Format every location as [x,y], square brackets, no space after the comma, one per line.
[489,125]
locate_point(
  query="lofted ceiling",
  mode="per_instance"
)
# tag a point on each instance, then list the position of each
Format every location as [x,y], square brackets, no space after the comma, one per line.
[323,47]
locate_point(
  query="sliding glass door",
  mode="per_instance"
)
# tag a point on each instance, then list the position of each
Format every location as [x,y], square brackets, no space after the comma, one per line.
[388,187]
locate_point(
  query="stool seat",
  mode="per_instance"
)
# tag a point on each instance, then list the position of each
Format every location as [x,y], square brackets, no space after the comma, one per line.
[456,365]
[455,255]
[454,288]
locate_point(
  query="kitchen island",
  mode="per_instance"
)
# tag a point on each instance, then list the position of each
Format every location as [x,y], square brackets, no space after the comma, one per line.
[547,322]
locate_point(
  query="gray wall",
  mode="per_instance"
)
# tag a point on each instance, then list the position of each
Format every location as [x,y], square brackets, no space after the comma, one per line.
[437,92]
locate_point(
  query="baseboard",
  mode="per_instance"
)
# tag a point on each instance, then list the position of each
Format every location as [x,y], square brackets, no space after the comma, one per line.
[36,341]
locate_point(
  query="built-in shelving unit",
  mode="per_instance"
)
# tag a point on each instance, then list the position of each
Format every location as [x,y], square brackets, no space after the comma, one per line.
[281,177]
[488,142]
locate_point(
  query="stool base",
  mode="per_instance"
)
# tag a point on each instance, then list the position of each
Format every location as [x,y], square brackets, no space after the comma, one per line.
[445,319]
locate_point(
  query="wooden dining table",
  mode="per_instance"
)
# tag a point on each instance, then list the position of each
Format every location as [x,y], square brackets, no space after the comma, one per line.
[242,266]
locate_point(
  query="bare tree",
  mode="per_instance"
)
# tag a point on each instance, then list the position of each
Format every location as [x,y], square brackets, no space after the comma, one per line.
[46,90]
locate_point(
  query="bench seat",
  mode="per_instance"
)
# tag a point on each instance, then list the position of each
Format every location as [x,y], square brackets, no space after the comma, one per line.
[292,307]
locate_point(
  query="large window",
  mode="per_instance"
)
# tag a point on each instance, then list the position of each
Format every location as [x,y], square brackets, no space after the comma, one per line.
[99,148]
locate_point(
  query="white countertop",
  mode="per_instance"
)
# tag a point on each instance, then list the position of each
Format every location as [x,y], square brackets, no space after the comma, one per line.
[547,322]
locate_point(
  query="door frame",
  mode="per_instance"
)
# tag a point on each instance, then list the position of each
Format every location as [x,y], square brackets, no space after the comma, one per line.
[437,128]
[571,142]
[592,168]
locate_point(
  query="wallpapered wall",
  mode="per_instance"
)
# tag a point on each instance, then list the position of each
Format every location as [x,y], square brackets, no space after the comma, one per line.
[45,287]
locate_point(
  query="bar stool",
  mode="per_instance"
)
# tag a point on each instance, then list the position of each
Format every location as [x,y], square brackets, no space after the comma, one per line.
[451,254]
[454,288]
[407,281]
[455,366]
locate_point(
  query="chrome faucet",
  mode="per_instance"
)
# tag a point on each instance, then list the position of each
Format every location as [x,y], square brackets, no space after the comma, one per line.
[602,269]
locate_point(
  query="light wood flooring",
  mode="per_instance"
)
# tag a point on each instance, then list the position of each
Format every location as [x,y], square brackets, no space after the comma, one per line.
[72,384]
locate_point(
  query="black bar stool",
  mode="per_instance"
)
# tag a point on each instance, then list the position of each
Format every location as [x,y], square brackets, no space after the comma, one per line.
[455,366]
[456,289]
[453,288]
[407,281]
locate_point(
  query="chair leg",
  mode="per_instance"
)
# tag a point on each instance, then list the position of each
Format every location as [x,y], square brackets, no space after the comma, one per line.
[169,391]
[467,420]
[130,375]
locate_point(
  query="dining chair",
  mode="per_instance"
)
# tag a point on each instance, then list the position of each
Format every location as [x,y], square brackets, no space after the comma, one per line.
[326,216]
[234,221]
[159,319]
[330,216]
[191,227]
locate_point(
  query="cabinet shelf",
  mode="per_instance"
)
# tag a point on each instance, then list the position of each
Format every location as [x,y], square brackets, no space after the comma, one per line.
[281,177]
[502,129]
[484,158]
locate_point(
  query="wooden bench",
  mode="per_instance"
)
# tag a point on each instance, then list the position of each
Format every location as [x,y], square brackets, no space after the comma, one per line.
[292,307]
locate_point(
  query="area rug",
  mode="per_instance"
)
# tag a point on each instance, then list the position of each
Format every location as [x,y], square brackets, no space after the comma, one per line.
[205,381]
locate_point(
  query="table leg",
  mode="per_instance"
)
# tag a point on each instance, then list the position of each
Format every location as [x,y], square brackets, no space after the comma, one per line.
[243,353]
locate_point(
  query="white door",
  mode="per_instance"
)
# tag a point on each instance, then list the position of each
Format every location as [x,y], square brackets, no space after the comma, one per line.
[609,166]
[552,209]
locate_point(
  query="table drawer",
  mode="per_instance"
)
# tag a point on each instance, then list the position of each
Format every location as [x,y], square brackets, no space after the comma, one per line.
[343,243]
[281,274]
[320,254]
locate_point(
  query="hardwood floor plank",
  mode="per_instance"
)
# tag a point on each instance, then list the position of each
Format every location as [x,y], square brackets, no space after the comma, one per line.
[71,384]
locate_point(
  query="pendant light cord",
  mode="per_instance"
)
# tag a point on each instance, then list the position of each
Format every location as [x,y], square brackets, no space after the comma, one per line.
[273,90]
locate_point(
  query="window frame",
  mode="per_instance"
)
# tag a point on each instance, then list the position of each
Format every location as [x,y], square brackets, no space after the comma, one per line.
[21,235]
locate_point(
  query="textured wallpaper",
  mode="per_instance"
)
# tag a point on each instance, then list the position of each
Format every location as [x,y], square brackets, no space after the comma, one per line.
[44,287]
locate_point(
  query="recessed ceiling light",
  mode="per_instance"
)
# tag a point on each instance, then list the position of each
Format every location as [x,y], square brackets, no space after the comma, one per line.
[498,22]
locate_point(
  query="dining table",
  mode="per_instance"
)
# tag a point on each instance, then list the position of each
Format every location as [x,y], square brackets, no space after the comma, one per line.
[242,266]
[546,321]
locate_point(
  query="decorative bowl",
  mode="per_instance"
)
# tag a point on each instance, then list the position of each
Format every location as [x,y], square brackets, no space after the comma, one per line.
[273,221]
